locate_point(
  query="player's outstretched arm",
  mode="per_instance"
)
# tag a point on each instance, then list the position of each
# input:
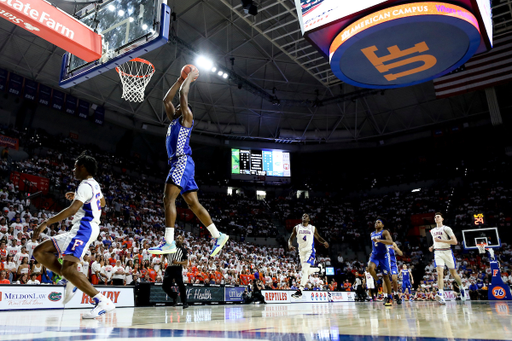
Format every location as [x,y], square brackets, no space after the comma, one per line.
[293,235]
[169,96]
[397,250]
[184,90]
[387,238]
[320,239]
[65,213]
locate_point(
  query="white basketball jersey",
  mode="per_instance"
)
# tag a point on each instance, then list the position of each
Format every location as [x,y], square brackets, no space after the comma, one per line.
[88,192]
[369,279]
[445,233]
[305,236]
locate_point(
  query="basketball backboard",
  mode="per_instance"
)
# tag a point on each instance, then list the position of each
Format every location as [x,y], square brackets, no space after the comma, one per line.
[129,29]
[489,235]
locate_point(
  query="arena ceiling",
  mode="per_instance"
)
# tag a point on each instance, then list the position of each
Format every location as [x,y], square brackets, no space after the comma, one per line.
[283,91]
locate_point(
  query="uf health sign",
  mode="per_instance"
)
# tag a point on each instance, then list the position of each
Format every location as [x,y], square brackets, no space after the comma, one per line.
[404,45]
[54,26]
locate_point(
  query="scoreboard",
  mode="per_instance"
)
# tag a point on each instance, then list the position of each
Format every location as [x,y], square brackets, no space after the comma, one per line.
[271,162]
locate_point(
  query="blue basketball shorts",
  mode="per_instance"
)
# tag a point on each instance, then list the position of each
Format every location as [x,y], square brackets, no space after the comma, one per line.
[393,269]
[381,262]
[182,174]
[406,285]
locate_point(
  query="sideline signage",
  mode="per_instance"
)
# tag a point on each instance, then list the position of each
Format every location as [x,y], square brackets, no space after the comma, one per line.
[53,25]
[19,297]
[374,51]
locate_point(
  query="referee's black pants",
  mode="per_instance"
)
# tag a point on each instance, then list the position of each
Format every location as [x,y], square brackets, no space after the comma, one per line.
[174,273]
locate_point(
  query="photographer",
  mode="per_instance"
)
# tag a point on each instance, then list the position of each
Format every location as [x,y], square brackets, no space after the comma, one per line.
[257,296]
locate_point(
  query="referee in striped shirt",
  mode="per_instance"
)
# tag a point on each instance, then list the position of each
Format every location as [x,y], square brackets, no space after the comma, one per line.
[176,261]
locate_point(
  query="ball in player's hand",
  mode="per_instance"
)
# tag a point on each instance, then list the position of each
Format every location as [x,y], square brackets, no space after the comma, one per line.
[186,70]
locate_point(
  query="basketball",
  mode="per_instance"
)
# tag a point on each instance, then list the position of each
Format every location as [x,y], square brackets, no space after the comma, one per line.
[186,70]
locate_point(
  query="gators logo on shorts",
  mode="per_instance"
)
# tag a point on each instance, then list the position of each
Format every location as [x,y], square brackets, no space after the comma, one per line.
[499,293]
[55,296]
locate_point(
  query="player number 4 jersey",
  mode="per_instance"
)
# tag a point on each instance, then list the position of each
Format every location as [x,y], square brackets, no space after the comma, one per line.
[305,236]
[445,233]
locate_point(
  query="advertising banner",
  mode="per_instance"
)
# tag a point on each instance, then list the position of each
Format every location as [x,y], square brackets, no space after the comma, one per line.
[195,293]
[16,297]
[55,26]
[30,183]
[99,115]
[121,296]
[10,142]
[233,294]
[13,297]
[284,296]
[71,103]
[83,109]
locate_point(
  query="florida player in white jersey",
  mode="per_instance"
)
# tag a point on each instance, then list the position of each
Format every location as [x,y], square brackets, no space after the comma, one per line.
[306,234]
[370,283]
[443,237]
[181,176]
[72,245]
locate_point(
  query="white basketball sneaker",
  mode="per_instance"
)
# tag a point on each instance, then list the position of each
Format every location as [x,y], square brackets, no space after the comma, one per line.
[462,295]
[103,306]
[69,291]
[440,299]
[163,248]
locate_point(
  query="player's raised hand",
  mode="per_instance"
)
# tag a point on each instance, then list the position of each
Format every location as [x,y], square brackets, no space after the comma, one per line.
[70,196]
[291,248]
[326,244]
[194,73]
[39,229]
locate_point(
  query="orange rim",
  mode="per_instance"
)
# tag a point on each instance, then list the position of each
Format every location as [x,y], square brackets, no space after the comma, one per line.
[139,60]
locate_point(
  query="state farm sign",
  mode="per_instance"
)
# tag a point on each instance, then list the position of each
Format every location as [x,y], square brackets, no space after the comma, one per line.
[54,26]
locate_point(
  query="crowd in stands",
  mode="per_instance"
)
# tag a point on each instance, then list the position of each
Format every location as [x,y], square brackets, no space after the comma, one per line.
[133,221]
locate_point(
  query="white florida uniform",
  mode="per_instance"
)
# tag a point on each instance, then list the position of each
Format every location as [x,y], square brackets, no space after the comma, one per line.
[443,254]
[85,228]
[370,283]
[306,241]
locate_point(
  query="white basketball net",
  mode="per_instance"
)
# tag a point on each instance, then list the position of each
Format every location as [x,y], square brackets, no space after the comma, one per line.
[135,76]
[481,247]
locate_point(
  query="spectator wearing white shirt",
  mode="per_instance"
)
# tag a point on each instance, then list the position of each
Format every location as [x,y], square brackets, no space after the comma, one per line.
[118,274]
[33,280]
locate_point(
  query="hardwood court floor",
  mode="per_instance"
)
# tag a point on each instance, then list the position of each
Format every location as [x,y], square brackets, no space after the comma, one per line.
[291,322]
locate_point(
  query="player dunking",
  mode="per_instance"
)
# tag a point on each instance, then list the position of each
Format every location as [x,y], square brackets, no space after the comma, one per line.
[86,209]
[393,250]
[306,234]
[443,237]
[380,258]
[407,280]
[181,176]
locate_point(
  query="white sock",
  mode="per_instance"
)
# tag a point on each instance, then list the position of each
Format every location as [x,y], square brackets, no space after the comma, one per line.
[169,234]
[99,296]
[213,230]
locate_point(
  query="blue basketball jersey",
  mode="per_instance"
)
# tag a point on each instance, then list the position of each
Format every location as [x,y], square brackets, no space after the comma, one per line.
[392,255]
[177,140]
[405,275]
[378,249]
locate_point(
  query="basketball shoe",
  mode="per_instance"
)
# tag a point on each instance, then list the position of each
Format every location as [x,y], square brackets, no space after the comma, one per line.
[388,302]
[462,294]
[219,243]
[440,299]
[69,291]
[102,306]
[163,248]
[297,294]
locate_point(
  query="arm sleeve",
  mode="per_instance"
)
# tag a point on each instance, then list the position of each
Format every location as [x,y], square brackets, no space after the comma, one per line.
[84,193]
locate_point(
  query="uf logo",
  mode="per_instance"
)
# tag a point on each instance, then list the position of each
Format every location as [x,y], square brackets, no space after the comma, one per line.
[494,272]
[395,53]
[77,243]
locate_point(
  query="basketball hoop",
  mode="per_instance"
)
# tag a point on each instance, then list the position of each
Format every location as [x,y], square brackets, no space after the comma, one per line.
[135,76]
[481,247]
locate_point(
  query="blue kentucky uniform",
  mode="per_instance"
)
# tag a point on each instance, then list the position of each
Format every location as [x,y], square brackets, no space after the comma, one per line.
[406,280]
[180,157]
[380,255]
[392,260]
